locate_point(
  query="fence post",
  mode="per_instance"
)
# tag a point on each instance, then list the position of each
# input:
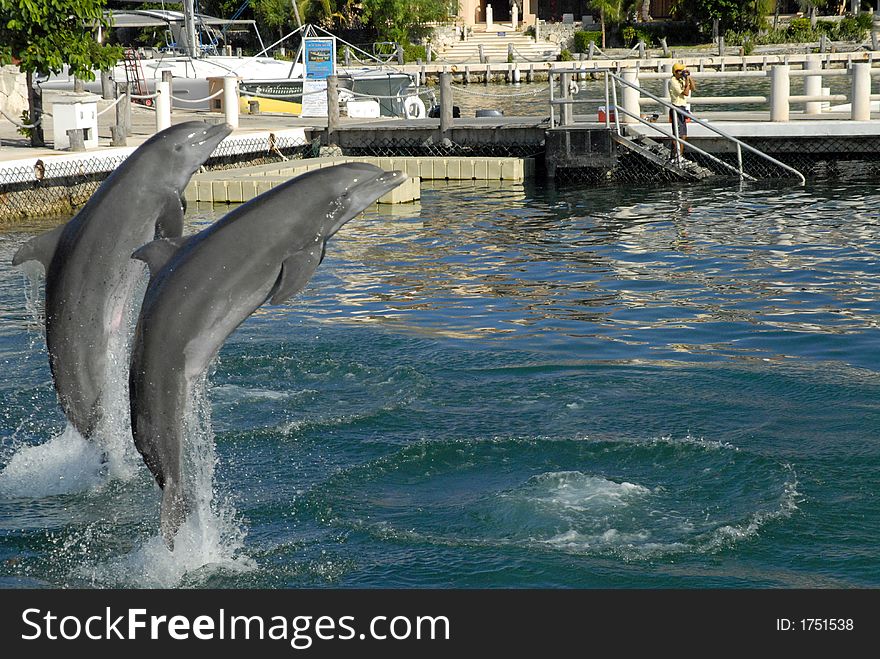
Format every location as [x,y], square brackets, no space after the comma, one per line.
[861,92]
[813,85]
[230,100]
[445,104]
[664,47]
[720,46]
[631,96]
[400,54]
[332,108]
[163,105]
[428,54]
[123,110]
[779,92]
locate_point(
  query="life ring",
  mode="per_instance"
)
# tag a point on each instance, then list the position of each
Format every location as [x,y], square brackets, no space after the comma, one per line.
[414,108]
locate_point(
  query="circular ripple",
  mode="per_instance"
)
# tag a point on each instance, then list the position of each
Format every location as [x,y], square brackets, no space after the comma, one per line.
[629,499]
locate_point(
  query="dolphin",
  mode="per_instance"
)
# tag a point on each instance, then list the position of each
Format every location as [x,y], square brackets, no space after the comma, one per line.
[90,280]
[204,286]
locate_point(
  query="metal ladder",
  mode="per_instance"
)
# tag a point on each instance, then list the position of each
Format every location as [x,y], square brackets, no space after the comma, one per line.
[680,165]
[134,76]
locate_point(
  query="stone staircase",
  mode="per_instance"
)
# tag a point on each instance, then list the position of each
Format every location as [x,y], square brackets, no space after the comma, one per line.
[495,47]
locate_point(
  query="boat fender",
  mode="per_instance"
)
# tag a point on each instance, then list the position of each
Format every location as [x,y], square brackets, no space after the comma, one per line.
[414,108]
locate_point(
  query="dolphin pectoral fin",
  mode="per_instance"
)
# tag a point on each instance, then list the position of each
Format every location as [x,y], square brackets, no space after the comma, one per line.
[296,270]
[40,248]
[157,253]
[173,512]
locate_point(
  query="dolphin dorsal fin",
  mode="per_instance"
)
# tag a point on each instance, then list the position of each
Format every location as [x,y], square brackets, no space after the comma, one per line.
[157,253]
[39,248]
[296,270]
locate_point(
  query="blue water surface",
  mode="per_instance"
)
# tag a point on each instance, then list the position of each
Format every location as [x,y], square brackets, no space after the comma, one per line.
[507,385]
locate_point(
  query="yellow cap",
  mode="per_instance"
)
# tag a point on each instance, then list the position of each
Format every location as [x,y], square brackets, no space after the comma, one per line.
[678,66]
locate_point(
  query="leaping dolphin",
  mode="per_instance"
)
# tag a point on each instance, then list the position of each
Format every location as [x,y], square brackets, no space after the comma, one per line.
[205,286]
[90,278]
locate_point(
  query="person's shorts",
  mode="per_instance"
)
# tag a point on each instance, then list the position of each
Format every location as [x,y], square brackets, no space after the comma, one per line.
[682,123]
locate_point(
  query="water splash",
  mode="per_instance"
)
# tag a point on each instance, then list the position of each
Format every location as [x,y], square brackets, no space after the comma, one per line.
[65,464]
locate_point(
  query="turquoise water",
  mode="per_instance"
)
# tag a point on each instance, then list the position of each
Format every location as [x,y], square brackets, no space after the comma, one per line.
[506,386]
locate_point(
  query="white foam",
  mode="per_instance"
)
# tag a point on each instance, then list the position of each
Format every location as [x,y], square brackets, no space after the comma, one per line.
[65,464]
[577,491]
[203,544]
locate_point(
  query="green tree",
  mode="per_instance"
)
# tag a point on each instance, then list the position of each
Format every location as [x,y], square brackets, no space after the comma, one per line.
[736,15]
[41,37]
[402,20]
[609,10]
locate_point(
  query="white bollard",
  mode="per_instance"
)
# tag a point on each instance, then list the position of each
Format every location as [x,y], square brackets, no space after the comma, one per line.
[230,100]
[780,90]
[163,105]
[861,92]
[813,85]
[630,101]
[514,16]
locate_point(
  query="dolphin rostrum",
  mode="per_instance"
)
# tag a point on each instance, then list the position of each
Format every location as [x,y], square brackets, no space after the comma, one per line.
[90,280]
[204,286]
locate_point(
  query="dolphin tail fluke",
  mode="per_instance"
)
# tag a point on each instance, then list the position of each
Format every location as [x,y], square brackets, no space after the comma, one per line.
[173,512]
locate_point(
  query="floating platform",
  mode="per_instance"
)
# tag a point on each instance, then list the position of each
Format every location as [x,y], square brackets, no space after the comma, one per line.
[243,184]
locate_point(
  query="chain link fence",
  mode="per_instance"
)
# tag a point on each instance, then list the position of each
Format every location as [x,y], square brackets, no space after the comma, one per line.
[445,148]
[58,187]
[815,158]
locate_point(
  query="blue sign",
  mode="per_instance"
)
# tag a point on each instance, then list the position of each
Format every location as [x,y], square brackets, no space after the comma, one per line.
[319,54]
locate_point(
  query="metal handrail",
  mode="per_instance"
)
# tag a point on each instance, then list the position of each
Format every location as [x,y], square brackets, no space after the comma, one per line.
[678,140]
[740,144]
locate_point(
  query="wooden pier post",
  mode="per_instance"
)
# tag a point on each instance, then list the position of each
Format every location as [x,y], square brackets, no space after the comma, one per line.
[445,105]
[106,86]
[76,139]
[467,75]
[332,108]
[123,111]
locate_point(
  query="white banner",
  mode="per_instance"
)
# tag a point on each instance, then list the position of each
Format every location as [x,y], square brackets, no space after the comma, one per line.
[314,100]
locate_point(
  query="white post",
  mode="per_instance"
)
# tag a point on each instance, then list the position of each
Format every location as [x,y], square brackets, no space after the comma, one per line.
[813,85]
[861,92]
[163,105]
[514,16]
[488,17]
[630,100]
[667,69]
[230,100]
[779,92]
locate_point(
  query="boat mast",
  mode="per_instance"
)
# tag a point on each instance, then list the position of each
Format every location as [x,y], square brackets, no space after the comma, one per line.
[189,25]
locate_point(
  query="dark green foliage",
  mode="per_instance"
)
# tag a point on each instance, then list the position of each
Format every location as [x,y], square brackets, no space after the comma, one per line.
[582,39]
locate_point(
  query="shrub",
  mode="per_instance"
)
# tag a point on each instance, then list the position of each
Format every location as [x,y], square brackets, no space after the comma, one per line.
[849,29]
[413,52]
[582,39]
[800,30]
[565,55]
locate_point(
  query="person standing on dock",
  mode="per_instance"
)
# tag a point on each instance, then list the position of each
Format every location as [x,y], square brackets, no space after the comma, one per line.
[680,88]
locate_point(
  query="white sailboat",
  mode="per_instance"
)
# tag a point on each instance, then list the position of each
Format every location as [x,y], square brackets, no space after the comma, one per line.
[193,55]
